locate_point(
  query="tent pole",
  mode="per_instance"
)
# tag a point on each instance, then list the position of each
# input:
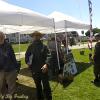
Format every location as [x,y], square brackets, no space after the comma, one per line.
[66,37]
[19,33]
[19,46]
[56,45]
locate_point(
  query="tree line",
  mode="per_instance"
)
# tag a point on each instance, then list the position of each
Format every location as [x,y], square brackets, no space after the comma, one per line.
[94,30]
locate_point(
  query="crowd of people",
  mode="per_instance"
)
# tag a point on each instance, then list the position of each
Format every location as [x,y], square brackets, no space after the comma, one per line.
[39,60]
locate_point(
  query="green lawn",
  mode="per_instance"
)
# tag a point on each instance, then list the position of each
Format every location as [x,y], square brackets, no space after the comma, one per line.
[23,47]
[80,89]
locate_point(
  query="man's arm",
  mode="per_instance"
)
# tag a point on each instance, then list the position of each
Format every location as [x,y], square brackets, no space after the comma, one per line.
[47,61]
[12,56]
[28,54]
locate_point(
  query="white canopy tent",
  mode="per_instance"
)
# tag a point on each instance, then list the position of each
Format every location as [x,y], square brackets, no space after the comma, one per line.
[18,19]
[70,24]
[63,21]
[14,15]
[24,29]
[22,17]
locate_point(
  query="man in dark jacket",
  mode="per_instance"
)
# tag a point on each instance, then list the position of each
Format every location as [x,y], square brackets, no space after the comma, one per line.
[37,58]
[96,58]
[8,65]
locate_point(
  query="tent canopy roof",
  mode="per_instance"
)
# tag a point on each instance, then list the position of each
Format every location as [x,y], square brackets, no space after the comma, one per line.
[58,16]
[65,21]
[15,15]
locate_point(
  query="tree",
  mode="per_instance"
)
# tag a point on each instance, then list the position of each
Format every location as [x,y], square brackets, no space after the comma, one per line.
[95,30]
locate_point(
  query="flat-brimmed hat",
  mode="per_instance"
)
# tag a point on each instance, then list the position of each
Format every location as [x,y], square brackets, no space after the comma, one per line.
[36,33]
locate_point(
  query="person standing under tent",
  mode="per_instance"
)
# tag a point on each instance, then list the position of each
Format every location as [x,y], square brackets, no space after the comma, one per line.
[37,57]
[8,65]
[54,60]
[96,59]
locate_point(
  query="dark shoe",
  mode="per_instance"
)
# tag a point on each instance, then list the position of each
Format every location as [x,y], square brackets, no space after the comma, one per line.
[17,79]
[99,78]
[96,80]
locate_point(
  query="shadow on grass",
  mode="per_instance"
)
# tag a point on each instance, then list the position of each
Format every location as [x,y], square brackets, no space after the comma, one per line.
[66,83]
[25,93]
[97,84]
[82,66]
[25,72]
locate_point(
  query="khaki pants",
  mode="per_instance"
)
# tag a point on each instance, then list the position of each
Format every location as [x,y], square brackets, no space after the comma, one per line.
[10,79]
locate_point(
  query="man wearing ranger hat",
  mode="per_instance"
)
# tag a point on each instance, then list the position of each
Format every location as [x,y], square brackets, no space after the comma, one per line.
[37,58]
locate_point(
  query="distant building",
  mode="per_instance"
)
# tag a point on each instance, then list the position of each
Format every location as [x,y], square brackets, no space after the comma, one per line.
[84,38]
[71,34]
[14,38]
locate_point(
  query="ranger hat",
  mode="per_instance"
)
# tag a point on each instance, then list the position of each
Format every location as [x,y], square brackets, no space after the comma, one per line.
[36,33]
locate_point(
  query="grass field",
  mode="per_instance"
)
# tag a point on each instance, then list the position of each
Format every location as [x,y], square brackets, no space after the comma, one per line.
[80,89]
[23,47]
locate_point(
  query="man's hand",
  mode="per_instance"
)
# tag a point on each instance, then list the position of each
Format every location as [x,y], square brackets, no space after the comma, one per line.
[44,68]
[29,66]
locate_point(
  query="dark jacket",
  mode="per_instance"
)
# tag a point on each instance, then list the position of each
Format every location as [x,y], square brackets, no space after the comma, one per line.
[7,58]
[40,54]
[97,54]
